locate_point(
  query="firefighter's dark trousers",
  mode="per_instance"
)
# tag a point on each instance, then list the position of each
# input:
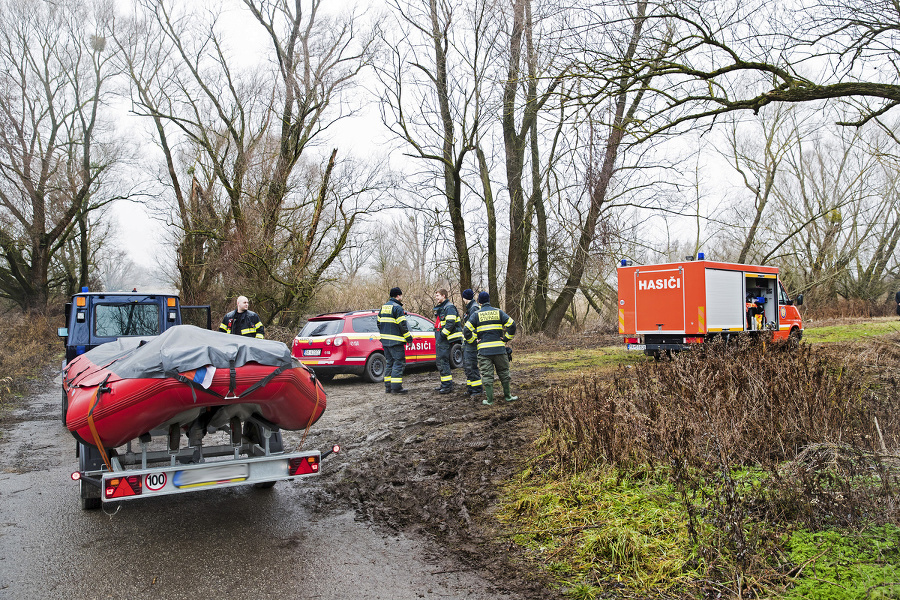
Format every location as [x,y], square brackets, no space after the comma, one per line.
[487,364]
[470,364]
[395,357]
[443,360]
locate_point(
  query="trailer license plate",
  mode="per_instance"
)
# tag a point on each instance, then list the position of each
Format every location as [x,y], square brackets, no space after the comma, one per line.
[636,347]
[313,352]
[212,475]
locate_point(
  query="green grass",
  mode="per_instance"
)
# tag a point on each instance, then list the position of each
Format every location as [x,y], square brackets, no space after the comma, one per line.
[851,332]
[843,565]
[595,529]
[581,359]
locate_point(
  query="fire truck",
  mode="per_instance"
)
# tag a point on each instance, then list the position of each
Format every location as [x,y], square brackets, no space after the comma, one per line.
[667,307]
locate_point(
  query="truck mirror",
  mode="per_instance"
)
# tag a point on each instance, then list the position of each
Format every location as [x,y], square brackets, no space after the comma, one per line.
[62,332]
[799,299]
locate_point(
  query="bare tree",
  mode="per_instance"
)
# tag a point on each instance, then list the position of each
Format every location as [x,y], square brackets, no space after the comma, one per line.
[239,135]
[735,55]
[55,80]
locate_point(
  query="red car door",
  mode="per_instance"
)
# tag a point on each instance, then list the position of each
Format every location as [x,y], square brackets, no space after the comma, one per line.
[421,348]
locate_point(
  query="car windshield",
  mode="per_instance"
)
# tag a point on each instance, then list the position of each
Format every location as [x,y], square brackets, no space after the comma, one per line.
[117,320]
[322,327]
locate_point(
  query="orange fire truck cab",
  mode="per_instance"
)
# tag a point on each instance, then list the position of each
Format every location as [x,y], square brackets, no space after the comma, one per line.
[670,306]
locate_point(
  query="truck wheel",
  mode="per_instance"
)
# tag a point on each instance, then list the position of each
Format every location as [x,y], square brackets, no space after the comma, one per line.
[265,485]
[794,337]
[456,356]
[323,377]
[375,366]
[65,406]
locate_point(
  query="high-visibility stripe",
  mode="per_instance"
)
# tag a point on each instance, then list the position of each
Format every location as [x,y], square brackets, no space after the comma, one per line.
[455,336]
[475,383]
[621,320]
[497,344]
[490,327]
[446,378]
[393,338]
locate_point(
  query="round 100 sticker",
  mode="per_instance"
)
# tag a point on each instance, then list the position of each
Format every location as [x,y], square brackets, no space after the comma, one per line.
[155,481]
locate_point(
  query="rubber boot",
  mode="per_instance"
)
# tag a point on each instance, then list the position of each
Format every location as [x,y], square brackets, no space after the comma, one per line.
[488,394]
[506,394]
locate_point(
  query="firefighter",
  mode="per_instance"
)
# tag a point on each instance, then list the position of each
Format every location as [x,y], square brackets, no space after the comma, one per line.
[243,321]
[394,337]
[446,332]
[470,350]
[492,328]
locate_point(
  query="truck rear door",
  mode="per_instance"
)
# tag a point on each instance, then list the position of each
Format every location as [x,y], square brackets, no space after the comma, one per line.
[659,300]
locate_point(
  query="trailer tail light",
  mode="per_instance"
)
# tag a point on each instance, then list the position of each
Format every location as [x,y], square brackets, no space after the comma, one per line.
[76,476]
[303,466]
[121,487]
[693,340]
[631,340]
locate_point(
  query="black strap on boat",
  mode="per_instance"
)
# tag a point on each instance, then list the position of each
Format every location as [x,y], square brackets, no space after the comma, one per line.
[230,396]
[232,381]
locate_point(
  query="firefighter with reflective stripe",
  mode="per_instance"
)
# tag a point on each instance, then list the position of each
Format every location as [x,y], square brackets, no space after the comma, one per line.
[470,349]
[446,333]
[492,328]
[394,337]
[243,321]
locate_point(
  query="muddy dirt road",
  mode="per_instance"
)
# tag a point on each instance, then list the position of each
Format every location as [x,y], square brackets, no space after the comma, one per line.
[400,513]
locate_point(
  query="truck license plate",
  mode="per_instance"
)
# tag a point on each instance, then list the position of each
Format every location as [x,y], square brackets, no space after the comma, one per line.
[313,352]
[636,347]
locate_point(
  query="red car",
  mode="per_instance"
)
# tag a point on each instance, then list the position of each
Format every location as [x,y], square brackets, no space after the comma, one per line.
[336,343]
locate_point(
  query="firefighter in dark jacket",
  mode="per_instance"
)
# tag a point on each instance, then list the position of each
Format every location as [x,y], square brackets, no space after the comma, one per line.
[492,328]
[470,349]
[243,321]
[394,337]
[446,332]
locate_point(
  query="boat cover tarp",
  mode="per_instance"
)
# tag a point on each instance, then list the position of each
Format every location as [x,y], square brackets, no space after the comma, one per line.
[184,348]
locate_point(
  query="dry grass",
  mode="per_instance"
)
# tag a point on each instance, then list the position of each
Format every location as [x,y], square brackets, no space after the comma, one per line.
[754,440]
[29,343]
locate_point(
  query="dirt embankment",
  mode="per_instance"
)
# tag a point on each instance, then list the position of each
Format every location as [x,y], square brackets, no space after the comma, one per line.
[430,463]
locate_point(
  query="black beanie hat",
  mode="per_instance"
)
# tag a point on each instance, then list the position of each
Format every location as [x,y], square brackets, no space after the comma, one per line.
[484,298]
[468,294]
[396,292]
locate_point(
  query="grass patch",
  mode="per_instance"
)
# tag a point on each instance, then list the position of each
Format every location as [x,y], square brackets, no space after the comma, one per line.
[580,360]
[851,332]
[842,565]
[688,477]
[598,530]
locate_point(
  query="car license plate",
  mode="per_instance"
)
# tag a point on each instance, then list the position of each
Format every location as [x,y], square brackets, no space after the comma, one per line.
[636,347]
[313,352]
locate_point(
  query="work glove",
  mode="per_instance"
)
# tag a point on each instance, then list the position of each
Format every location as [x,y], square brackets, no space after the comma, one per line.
[509,353]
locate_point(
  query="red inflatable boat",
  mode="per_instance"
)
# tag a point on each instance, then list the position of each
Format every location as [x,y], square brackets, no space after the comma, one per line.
[121,390]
